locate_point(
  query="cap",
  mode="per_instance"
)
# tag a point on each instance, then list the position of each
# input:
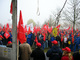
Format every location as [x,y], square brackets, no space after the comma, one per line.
[66,49]
[38,44]
[1,36]
[55,42]
[9,42]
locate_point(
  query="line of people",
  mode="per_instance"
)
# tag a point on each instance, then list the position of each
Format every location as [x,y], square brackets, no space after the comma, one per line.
[54,53]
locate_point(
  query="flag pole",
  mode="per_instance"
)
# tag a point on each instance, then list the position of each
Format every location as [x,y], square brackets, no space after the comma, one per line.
[14,30]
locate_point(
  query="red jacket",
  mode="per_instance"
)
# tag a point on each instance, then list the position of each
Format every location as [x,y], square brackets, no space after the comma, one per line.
[65,58]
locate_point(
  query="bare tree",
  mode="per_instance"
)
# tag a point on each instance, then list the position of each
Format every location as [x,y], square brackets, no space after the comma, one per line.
[72,13]
[50,21]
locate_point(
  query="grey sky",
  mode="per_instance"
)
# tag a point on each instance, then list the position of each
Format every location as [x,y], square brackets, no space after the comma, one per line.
[29,9]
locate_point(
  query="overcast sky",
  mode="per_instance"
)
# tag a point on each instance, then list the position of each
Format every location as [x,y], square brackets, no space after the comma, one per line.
[29,9]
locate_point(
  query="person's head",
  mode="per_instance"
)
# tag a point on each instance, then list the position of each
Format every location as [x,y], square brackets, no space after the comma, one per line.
[38,45]
[67,52]
[9,43]
[66,49]
[54,43]
[1,37]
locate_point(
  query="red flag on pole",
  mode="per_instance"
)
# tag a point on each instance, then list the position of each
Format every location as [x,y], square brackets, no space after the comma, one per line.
[7,26]
[62,37]
[0,28]
[44,38]
[29,30]
[6,34]
[4,29]
[68,28]
[72,36]
[25,29]
[36,40]
[11,8]
[21,32]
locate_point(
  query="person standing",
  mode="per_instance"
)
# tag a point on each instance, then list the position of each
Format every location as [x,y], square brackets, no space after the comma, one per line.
[55,53]
[66,54]
[77,43]
[76,55]
[24,51]
[38,53]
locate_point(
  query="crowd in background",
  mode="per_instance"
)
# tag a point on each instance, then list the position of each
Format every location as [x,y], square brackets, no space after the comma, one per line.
[64,38]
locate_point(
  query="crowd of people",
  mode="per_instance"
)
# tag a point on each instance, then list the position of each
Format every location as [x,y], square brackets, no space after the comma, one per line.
[65,39]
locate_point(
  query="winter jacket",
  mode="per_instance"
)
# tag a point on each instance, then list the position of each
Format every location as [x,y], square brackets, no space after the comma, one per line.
[54,53]
[38,54]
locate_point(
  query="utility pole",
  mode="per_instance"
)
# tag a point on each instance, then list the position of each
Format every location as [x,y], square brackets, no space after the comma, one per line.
[14,30]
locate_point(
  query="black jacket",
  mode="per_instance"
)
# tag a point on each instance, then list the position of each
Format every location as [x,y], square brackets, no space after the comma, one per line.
[1,43]
[76,56]
[38,54]
[55,53]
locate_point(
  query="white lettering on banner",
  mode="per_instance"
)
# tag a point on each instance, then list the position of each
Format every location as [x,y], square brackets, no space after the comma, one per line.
[7,34]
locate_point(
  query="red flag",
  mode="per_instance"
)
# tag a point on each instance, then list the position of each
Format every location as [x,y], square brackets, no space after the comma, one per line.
[72,29]
[58,26]
[72,38]
[68,28]
[29,30]
[0,28]
[36,40]
[77,30]
[25,29]
[11,8]
[4,29]
[21,32]
[44,38]
[7,26]
[6,34]
[62,37]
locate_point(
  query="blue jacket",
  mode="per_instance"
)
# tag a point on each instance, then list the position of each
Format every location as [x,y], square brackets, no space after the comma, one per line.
[77,41]
[55,53]
[1,43]
[10,37]
[52,39]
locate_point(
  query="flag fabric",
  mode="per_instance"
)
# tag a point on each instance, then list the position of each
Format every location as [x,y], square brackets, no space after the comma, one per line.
[72,36]
[25,29]
[0,28]
[55,32]
[36,40]
[58,27]
[11,8]
[6,34]
[44,37]
[4,29]
[7,26]
[29,30]
[21,32]
[62,37]
[68,28]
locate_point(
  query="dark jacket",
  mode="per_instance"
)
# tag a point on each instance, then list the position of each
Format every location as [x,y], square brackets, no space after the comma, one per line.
[5,41]
[38,54]
[58,38]
[76,56]
[55,53]
[1,43]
